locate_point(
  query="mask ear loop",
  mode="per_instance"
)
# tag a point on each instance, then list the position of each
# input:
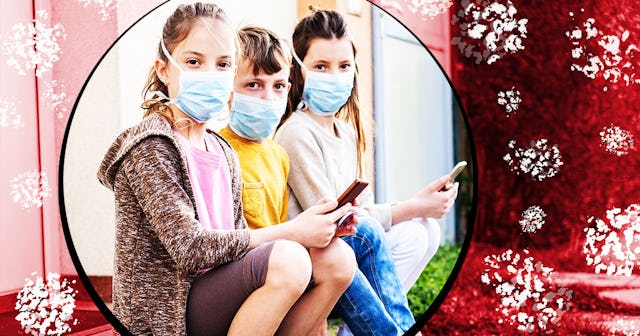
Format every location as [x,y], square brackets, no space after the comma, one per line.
[302,104]
[166,53]
[159,94]
[293,51]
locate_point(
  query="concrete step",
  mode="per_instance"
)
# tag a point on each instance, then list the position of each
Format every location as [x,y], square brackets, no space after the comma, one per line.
[103,330]
[627,296]
[606,323]
[566,279]
[619,288]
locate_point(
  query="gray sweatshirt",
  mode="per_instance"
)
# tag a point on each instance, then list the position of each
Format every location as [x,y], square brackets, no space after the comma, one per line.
[323,164]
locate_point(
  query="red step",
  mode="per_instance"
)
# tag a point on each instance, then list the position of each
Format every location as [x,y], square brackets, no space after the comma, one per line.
[90,322]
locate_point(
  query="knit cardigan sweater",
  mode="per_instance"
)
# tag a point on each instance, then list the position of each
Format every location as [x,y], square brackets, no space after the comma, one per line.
[159,243]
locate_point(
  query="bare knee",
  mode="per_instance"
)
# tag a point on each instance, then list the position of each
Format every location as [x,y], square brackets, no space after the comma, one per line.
[334,264]
[289,267]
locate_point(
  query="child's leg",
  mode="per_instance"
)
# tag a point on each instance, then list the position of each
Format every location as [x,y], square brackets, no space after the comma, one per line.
[434,235]
[374,303]
[413,243]
[253,293]
[333,270]
[288,276]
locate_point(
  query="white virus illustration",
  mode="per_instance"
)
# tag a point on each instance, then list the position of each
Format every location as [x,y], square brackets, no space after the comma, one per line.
[427,9]
[55,98]
[33,46]
[510,99]
[539,160]
[9,116]
[616,140]
[626,328]
[29,189]
[610,57]
[532,219]
[613,245]
[107,7]
[489,30]
[46,307]
[524,287]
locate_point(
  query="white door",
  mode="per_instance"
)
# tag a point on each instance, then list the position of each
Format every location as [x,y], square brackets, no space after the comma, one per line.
[413,115]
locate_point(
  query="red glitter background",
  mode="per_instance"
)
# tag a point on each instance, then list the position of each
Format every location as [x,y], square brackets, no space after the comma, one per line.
[567,108]
[558,104]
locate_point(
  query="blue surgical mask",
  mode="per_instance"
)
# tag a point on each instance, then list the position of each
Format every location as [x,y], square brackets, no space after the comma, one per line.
[326,93]
[202,95]
[254,118]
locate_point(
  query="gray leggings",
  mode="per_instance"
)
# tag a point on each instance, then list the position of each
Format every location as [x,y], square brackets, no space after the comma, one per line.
[217,294]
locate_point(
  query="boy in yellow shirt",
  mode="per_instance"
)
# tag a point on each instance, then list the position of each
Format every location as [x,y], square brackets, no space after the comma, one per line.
[260,91]
[261,86]
[259,99]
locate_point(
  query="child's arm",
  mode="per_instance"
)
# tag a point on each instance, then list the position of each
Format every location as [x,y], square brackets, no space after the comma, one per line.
[431,201]
[314,227]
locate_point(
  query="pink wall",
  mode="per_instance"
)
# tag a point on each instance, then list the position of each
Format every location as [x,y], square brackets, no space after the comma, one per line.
[31,238]
[21,229]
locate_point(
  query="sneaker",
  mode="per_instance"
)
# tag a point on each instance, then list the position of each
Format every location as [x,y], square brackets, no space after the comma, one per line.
[344,330]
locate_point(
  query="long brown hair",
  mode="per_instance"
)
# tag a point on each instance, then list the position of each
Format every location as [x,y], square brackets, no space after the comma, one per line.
[175,30]
[326,24]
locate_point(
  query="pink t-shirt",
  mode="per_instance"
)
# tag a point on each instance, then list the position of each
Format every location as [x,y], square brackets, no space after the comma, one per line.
[211,182]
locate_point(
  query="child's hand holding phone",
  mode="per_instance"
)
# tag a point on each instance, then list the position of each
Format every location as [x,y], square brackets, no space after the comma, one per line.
[453,174]
[347,224]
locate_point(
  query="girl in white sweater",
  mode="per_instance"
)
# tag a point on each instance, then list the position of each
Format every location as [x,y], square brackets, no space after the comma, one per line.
[325,141]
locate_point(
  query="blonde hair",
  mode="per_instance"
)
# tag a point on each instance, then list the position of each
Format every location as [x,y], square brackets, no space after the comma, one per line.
[175,30]
[326,25]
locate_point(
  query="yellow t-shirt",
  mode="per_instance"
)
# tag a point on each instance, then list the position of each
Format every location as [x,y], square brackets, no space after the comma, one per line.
[265,167]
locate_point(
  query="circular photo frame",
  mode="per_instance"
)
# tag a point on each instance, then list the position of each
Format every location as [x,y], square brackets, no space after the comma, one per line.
[403,90]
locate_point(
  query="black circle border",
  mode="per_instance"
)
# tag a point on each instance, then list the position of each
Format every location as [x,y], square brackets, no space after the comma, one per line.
[95,297]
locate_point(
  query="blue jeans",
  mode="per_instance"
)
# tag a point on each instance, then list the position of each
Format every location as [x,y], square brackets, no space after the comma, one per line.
[374,303]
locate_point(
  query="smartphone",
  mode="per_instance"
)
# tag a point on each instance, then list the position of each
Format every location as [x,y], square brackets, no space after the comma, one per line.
[454,172]
[345,220]
[350,194]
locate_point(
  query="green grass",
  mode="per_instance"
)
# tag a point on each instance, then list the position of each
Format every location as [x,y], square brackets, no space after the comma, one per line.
[432,279]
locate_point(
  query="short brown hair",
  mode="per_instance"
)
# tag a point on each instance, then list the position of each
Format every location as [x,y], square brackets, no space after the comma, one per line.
[264,49]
